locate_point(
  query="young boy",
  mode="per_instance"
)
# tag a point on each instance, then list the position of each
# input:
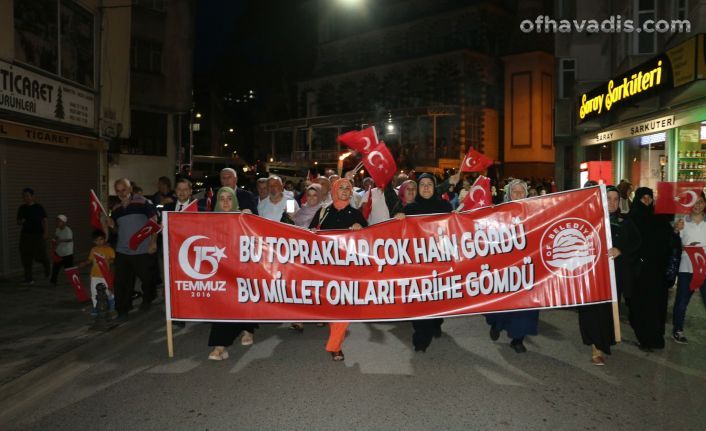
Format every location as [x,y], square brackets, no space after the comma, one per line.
[102,248]
[63,244]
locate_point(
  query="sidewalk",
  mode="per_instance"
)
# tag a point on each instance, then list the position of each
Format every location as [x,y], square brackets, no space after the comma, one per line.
[41,322]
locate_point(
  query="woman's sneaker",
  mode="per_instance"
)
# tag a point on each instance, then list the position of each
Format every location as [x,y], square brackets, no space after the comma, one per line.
[679,337]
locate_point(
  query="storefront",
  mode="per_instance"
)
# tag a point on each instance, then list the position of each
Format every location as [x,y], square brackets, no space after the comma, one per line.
[652,121]
[48,142]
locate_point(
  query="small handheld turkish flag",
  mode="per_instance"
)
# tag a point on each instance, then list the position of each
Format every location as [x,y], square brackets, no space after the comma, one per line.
[478,196]
[96,211]
[380,164]
[150,228]
[367,206]
[475,162]
[192,207]
[677,198]
[75,280]
[103,265]
[698,265]
[362,141]
[209,199]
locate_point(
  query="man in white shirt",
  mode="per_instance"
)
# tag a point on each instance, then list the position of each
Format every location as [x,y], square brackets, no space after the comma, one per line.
[275,205]
[63,247]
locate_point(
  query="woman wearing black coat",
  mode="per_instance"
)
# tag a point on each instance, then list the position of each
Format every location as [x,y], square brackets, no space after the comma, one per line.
[426,202]
[648,299]
[596,321]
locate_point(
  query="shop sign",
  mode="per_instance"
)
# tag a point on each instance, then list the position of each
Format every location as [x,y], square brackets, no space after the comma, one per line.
[38,135]
[30,93]
[646,127]
[637,82]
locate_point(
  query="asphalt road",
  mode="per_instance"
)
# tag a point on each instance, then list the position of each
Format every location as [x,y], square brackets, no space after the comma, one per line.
[123,380]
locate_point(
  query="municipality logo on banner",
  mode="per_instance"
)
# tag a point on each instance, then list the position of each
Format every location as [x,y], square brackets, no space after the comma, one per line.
[570,247]
[206,258]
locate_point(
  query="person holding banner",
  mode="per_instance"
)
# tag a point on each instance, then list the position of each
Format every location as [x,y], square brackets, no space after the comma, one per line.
[692,231]
[339,215]
[313,204]
[426,202]
[648,301]
[596,321]
[518,324]
[222,335]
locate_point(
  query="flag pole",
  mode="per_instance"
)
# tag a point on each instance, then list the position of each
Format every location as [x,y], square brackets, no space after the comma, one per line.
[616,321]
[170,339]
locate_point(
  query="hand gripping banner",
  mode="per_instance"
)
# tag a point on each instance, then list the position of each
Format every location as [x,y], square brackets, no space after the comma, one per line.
[544,252]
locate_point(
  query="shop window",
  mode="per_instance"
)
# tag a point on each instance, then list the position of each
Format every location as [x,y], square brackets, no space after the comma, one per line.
[148,135]
[567,77]
[691,152]
[645,160]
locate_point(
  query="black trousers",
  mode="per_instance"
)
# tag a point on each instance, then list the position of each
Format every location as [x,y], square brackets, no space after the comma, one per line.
[424,331]
[223,334]
[33,247]
[66,262]
[128,266]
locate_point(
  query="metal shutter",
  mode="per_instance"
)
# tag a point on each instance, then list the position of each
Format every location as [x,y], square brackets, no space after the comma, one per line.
[61,178]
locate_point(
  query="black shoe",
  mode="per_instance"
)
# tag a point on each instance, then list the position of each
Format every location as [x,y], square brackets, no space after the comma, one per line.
[518,346]
[679,337]
[420,349]
[644,348]
[494,333]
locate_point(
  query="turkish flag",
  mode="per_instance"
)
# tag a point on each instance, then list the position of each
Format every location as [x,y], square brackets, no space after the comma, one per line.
[478,196]
[150,228]
[192,207]
[103,265]
[475,162]
[311,176]
[362,141]
[367,206]
[380,164]
[96,211]
[698,265]
[209,198]
[75,280]
[677,198]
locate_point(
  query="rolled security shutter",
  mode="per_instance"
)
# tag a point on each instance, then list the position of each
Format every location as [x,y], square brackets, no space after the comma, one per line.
[61,178]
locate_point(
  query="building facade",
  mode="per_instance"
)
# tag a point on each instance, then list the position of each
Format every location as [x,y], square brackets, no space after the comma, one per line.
[650,132]
[436,78]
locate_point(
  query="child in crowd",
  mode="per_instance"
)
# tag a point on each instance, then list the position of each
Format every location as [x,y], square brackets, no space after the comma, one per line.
[63,245]
[101,247]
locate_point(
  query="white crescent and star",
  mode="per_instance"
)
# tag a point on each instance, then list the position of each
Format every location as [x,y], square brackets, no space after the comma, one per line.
[184,257]
[372,155]
[475,189]
[468,159]
[368,143]
[690,193]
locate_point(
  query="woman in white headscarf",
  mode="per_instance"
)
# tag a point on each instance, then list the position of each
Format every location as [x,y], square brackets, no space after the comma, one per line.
[518,324]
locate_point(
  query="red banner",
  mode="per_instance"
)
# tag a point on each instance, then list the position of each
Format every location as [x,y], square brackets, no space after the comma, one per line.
[103,265]
[677,198]
[697,256]
[75,279]
[544,252]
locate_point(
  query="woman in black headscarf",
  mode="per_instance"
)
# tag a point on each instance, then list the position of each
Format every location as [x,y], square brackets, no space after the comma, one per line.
[426,202]
[648,299]
[596,320]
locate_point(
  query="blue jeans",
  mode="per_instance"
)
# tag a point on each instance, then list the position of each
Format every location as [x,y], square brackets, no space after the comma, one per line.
[681,301]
